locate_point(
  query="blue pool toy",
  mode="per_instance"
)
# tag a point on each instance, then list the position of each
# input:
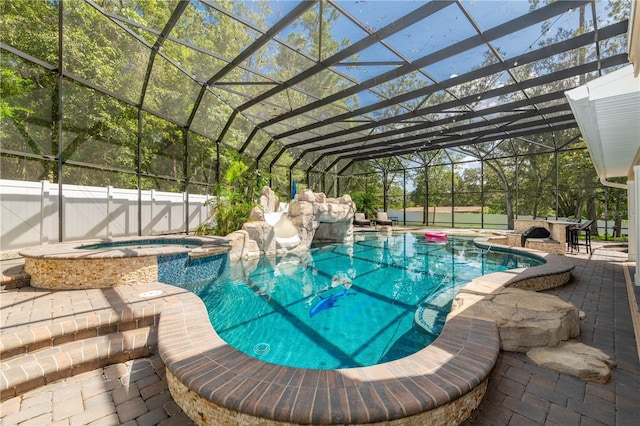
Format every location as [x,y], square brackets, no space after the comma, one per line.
[328,302]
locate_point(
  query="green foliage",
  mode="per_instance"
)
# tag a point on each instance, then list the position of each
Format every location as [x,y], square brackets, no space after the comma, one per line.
[235,198]
[365,203]
[11,84]
[100,132]
[229,217]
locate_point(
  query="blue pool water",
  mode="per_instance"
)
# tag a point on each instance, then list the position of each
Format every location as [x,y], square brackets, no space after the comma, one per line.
[141,244]
[346,305]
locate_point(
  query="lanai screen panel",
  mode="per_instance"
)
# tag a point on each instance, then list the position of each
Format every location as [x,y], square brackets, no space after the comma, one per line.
[328,80]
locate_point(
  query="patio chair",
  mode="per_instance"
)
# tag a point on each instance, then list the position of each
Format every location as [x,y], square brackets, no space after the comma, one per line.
[383,220]
[360,220]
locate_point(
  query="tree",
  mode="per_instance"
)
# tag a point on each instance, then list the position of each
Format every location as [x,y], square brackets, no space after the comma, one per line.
[362,184]
[389,168]
[469,185]
[432,181]
[615,206]
[11,84]
[365,203]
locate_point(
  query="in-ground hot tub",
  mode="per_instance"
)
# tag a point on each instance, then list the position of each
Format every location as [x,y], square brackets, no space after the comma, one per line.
[112,262]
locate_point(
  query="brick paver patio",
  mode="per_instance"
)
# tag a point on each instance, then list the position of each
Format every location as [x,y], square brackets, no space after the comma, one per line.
[522,393]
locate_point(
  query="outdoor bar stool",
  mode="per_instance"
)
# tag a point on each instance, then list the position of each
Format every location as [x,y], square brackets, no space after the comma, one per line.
[575,236]
[568,237]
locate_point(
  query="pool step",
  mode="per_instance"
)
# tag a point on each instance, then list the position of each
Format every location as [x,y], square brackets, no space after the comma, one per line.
[47,335]
[13,275]
[72,344]
[22,373]
[24,340]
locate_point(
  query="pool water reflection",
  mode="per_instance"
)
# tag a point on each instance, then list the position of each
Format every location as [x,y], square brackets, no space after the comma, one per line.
[346,305]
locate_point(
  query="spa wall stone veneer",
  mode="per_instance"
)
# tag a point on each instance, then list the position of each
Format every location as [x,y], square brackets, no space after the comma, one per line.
[90,273]
[124,261]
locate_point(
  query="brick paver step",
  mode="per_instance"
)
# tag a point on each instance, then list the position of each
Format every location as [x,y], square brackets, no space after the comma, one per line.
[25,340]
[30,370]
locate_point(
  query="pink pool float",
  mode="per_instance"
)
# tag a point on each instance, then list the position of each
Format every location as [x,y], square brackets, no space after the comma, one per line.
[435,237]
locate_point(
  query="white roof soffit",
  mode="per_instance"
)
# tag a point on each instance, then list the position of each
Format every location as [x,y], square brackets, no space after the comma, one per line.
[607,111]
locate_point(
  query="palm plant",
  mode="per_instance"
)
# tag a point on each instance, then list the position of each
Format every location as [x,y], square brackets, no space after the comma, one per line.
[235,197]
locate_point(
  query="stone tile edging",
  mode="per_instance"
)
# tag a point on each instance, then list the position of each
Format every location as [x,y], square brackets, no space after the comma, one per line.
[73,250]
[554,273]
[213,382]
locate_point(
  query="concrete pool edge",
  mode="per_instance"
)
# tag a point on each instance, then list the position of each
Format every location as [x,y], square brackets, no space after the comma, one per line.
[555,272]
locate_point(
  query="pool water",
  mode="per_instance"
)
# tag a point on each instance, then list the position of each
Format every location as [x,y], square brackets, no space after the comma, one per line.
[346,305]
[141,244]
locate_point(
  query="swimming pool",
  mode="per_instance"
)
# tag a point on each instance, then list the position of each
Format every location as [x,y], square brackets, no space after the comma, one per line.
[346,305]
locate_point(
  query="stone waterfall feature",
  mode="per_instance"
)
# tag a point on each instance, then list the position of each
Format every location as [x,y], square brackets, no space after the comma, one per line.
[319,218]
[308,217]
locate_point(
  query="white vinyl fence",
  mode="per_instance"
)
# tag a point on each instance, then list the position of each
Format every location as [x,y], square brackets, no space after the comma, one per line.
[490,221]
[29,213]
[443,219]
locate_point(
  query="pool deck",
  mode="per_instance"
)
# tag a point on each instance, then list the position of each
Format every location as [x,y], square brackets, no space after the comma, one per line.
[519,392]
